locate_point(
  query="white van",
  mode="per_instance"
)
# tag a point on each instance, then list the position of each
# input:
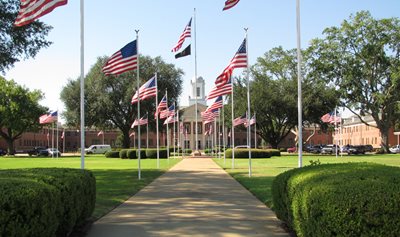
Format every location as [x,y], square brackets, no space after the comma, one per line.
[98,149]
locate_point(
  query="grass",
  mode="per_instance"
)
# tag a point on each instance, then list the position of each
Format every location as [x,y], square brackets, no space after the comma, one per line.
[116,179]
[265,170]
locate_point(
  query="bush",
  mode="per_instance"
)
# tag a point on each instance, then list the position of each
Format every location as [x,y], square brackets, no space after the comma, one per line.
[244,153]
[274,152]
[142,153]
[352,199]
[123,153]
[72,191]
[152,153]
[131,154]
[112,154]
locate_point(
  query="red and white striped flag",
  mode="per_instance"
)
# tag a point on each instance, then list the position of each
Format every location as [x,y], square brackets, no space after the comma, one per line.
[161,106]
[142,121]
[31,10]
[229,4]
[219,91]
[123,60]
[240,120]
[100,133]
[185,34]
[216,105]
[147,90]
[48,118]
[170,119]
[132,134]
[168,112]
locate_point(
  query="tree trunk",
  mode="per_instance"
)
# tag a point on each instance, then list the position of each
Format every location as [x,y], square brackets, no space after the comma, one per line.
[385,138]
[10,144]
[126,140]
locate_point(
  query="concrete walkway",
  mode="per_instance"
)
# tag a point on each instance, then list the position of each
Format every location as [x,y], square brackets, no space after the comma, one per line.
[195,198]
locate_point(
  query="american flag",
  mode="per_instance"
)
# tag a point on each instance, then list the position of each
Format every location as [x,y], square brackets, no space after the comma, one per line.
[251,121]
[100,133]
[240,120]
[331,118]
[63,134]
[123,60]
[229,4]
[48,118]
[170,119]
[209,117]
[168,112]
[142,121]
[185,34]
[161,106]
[132,134]
[31,10]
[238,61]
[216,105]
[147,90]
[219,91]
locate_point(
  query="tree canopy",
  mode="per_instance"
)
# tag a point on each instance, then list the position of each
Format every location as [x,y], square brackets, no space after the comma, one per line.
[362,59]
[18,43]
[19,111]
[274,95]
[108,98]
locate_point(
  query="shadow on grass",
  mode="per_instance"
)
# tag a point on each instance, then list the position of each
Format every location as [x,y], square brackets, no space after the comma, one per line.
[113,187]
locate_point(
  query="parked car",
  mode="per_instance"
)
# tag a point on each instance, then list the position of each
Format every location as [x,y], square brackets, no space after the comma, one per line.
[360,149]
[316,149]
[53,152]
[369,148]
[3,152]
[98,149]
[395,149]
[291,149]
[38,151]
[330,149]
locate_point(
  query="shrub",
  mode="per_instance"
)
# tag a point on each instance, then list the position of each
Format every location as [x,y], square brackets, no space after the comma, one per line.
[73,192]
[274,152]
[123,153]
[352,199]
[142,153]
[244,153]
[112,154]
[152,153]
[131,154]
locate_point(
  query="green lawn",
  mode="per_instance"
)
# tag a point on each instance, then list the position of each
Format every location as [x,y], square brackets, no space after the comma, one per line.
[264,170]
[116,179]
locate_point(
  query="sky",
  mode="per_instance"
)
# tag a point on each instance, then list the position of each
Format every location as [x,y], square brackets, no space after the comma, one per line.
[109,25]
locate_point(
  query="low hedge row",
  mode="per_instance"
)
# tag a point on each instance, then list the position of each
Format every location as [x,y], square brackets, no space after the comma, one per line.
[255,153]
[351,199]
[45,201]
[133,153]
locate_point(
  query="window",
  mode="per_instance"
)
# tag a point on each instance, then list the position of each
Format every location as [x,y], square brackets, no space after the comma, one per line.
[187,127]
[198,92]
[199,128]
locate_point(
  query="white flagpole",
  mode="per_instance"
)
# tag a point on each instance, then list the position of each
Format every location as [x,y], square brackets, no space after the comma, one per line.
[52,139]
[195,78]
[138,104]
[219,133]
[223,128]
[336,133]
[57,134]
[248,102]
[233,132]
[147,129]
[173,136]
[82,95]
[63,140]
[255,131]
[299,91]
[166,96]
[158,144]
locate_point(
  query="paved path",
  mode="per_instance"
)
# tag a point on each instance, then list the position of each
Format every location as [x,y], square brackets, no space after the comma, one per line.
[195,198]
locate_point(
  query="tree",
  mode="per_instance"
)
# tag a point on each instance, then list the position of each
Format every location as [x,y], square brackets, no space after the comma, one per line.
[274,95]
[108,98]
[19,42]
[362,59]
[19,111]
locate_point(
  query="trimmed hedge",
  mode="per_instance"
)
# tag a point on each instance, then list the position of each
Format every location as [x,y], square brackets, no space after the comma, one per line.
[112,154]
[123,153]
[351,199]
[255,153]
[142,153]
[45,201]
[131,154]
[152,153]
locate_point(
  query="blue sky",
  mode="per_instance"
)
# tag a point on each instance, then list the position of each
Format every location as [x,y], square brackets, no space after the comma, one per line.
[109,25]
